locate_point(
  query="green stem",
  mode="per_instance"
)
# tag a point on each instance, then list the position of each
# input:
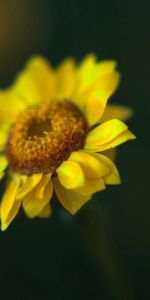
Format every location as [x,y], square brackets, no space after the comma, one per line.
[104,251]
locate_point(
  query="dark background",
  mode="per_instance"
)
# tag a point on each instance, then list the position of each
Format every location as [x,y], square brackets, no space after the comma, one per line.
[104,251]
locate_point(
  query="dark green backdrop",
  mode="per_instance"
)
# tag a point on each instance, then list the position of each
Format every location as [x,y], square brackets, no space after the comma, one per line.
[104,251]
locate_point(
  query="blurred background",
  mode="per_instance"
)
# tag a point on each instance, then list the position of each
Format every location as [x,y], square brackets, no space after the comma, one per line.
[104,251]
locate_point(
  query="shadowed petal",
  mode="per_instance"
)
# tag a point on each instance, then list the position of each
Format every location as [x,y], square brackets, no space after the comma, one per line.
[46,212]
[3,163]
[70,199]
[36,201]
[110,153]
[28,185]
[113,176]
[119,112]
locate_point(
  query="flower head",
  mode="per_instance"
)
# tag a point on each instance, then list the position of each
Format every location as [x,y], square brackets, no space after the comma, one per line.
[56,131]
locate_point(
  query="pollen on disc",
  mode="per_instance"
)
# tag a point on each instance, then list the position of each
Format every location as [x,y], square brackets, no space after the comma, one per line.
[44,136]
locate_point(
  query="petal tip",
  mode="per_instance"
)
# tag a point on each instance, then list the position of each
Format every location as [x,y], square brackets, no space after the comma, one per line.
[4,226]
[133,136]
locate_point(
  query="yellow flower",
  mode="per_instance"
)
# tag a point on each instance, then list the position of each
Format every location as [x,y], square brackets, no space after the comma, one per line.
[56,133]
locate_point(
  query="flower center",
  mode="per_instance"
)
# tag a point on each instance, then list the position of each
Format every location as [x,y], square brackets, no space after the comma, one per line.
[44,136]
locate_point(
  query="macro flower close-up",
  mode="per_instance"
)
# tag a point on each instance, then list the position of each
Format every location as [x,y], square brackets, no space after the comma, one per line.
[57,135]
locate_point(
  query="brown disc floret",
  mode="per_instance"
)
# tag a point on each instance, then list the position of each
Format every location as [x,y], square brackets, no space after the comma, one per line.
[44,136]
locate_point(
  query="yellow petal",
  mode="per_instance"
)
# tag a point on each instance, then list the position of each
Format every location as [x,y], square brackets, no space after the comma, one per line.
[108,135]
[104,86]
[92,167]
[90,69]
[4,131]
[46,212]
[40,188]
[3,163]
[10,106]
[119,112]
[36,82]
[26,88]
[92,186]
[43,75]
[28,185]
[113,176]
[94,108]
[66,79]
[98,171]
[9,206]
[99,78]
[70,199]
[38,198]
[106,66]
[122,138]
[70,175]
